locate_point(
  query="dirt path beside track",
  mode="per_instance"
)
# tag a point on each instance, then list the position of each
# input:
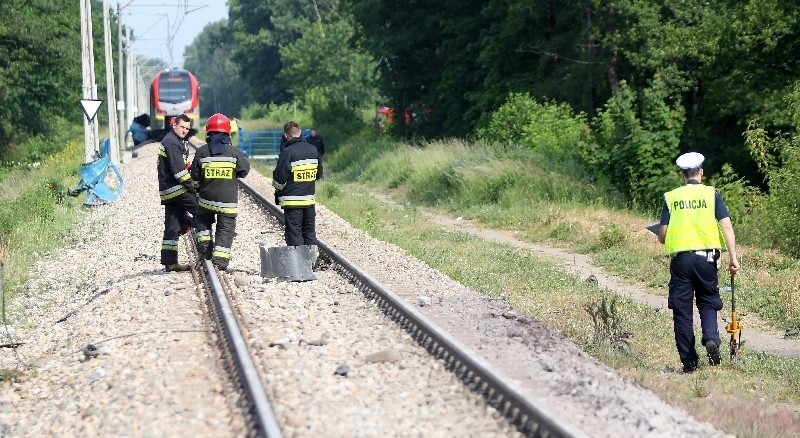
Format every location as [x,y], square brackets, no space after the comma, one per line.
[757,335]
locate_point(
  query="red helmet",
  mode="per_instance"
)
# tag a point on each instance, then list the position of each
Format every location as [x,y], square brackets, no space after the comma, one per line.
[218,123]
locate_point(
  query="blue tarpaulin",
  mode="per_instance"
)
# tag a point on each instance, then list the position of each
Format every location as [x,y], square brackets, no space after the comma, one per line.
[101,178]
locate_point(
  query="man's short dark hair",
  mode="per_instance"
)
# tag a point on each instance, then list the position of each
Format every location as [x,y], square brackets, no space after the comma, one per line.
[183,118]
[690,173]
[287,128]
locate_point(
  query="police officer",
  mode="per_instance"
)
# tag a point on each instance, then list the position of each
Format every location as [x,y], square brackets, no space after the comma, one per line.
[692,217]
[216,166]
[176,189]
[294,180]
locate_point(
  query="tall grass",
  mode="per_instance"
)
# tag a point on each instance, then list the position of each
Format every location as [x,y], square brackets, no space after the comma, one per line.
[540,199]
[36,216]
[633,338]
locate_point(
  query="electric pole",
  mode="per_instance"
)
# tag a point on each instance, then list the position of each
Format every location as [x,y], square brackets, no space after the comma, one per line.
[120,87]
[113,135]
[89,94]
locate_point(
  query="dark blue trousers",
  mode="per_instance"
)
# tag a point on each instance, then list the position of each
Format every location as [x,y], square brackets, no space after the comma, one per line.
[175,218]
[300,223]
[692,277]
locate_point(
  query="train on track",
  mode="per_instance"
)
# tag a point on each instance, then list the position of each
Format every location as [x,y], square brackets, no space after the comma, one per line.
[173,92]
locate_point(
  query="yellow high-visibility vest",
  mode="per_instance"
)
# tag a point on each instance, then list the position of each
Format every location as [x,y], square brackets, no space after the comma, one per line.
[692,223]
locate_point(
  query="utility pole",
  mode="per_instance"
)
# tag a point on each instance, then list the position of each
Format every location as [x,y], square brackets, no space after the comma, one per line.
[89,93]
[130,101]
[120,87]
[113,135]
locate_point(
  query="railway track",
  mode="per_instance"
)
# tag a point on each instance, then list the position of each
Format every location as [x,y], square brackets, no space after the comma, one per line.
[524,414]
[344,355]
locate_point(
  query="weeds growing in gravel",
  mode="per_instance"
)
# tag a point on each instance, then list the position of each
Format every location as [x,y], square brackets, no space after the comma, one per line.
[608,331]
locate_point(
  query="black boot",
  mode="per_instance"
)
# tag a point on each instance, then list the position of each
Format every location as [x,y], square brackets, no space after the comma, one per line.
[204,250]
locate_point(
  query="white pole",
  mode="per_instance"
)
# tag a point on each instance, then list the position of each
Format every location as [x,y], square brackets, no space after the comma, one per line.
[89,86]
[113,135]
[120,87]
[130,103]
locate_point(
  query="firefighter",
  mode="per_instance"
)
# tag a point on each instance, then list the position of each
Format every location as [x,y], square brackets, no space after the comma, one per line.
[694,223]
[294,180]
[216,166]
[177,191]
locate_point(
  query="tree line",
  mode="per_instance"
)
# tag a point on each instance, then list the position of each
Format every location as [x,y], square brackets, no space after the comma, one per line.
[695,74]
[647,79]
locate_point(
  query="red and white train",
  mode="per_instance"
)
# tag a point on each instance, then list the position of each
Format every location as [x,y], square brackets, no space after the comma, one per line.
[172,93]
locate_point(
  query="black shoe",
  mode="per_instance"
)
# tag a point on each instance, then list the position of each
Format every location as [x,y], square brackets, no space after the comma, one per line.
[713,353]
[689,368]
[177,267]
[221,266]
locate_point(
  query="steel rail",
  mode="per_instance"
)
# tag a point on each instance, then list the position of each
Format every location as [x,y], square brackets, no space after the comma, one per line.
[261,409]
[529,416]
[266,424]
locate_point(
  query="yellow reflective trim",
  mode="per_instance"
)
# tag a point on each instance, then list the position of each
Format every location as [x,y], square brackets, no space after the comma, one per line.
[174,194]
[300,203]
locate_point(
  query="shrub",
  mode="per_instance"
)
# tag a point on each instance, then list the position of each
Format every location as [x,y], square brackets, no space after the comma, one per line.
[611,235]
[548,127]
[741,199]
[635,142]
[778,157]
[280,113]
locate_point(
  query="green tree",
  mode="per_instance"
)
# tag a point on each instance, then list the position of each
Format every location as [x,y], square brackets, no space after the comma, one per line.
[209,57]
[637,137]
[327,70]
[40,71]
[260,28]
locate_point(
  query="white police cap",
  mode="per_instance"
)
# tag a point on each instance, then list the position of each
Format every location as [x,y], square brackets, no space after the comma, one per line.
[689,161]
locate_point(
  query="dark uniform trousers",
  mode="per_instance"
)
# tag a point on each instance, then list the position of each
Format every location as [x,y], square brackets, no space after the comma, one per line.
[218,249]
[174,220]
[693,276]
[299,226]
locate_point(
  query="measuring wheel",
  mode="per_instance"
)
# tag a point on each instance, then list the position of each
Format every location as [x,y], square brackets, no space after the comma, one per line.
[734,327]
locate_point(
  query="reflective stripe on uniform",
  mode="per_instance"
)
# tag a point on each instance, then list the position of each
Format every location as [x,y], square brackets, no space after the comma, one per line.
[218,159]
[172,192]
[183,176]
[304,163]
[221,252]
[296,201]
[221,207]
[204,236]
[169,245]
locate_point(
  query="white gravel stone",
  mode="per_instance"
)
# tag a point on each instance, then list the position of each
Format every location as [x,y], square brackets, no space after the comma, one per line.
[162,374]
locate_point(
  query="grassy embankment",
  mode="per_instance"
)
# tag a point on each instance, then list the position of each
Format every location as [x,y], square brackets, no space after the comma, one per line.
[36,214]
[553,203]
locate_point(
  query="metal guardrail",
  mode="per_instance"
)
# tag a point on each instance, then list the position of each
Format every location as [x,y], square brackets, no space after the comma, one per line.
[260,143]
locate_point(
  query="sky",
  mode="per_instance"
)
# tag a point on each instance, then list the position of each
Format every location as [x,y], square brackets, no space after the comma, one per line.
[157,22]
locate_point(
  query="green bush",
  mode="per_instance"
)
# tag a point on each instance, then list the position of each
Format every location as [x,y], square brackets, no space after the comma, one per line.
[741,199]
[637,135]
[546,127]
[778,157]
[784,201]
[611,235]
[280,113]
